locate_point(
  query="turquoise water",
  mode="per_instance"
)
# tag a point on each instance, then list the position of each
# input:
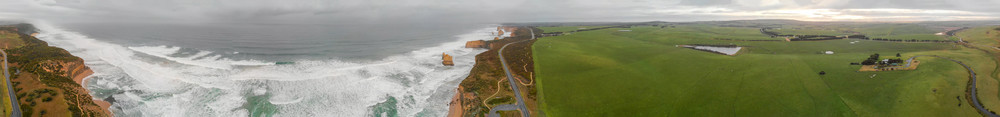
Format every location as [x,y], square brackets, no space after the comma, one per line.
[385,109]
[259,106]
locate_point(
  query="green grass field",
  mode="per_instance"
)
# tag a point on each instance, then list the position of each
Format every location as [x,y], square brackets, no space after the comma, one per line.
[915,36]
[642,73]
[808,31]
[566,28]
[989,84]
[877,30]
[4,99]
[895,29]
[901,31]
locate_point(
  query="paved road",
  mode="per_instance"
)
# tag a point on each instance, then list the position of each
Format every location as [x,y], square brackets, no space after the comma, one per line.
[510,79]
[505,107]
[975,99]
[10,89]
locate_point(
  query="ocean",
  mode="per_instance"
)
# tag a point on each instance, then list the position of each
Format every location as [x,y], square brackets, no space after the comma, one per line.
[254,69]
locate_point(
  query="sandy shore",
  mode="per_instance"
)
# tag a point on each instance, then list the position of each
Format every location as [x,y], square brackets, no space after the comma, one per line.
[81,79]
[455,107]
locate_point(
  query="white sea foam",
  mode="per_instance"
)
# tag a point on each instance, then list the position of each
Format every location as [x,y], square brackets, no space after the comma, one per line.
[202,58]
[279,101]
[163,81]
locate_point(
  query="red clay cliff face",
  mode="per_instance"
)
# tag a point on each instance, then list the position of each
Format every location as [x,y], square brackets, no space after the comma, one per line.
[509,29]
[74,69]
[475,44]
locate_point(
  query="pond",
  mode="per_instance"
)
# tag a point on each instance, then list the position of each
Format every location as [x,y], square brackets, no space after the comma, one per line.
[727,50]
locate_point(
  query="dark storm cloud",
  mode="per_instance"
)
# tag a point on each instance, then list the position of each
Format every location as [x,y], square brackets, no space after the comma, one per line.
[380,11]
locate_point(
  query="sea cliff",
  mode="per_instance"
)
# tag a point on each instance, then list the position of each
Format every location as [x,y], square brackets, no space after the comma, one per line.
[48,81]
[487,86]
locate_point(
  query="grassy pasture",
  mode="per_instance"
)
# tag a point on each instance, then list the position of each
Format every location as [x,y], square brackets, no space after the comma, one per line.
[641,73]
[809,31]
[914,36]
[986,39]
[889,31]
[901,31]
[698,32]
[566,28]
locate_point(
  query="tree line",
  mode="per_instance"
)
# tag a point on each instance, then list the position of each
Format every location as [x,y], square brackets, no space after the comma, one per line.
[862,37]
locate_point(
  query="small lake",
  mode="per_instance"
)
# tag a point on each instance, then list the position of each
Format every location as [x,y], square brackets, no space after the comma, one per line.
[722,50]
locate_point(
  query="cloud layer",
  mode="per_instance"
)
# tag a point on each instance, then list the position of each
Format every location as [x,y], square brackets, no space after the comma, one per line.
[380,11]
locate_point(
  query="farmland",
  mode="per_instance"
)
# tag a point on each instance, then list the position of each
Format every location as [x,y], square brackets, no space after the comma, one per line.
[641,72]
[566,28]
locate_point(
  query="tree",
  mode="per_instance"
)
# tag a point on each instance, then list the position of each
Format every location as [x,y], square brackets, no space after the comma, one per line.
[868,62]
[895,61]
[897,55]
[872,60]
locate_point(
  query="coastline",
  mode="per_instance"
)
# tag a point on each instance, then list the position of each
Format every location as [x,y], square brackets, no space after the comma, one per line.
[455,105]
[417,63]
[48,77]
[82,80]
[473,96]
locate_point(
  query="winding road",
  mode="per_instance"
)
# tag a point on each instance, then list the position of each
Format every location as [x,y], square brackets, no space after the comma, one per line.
[972,87]
[16,110]
[513,83]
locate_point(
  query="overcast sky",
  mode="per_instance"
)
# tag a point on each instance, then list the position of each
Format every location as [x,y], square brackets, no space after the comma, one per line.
[494,11]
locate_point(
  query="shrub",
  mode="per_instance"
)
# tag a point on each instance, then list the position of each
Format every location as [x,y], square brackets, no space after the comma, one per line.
[26,110]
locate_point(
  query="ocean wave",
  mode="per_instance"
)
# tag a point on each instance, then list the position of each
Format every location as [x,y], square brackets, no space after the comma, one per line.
[176,81]
[201,58]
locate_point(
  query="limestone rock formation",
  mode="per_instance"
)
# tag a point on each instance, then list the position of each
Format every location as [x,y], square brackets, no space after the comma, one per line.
[499,32]
[446,60]
[475,44]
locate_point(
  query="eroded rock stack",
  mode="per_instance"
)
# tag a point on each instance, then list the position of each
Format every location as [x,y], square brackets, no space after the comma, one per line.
[446,60]
[499,32]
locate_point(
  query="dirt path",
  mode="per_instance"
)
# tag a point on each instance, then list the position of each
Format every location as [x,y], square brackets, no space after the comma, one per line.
[499,86]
